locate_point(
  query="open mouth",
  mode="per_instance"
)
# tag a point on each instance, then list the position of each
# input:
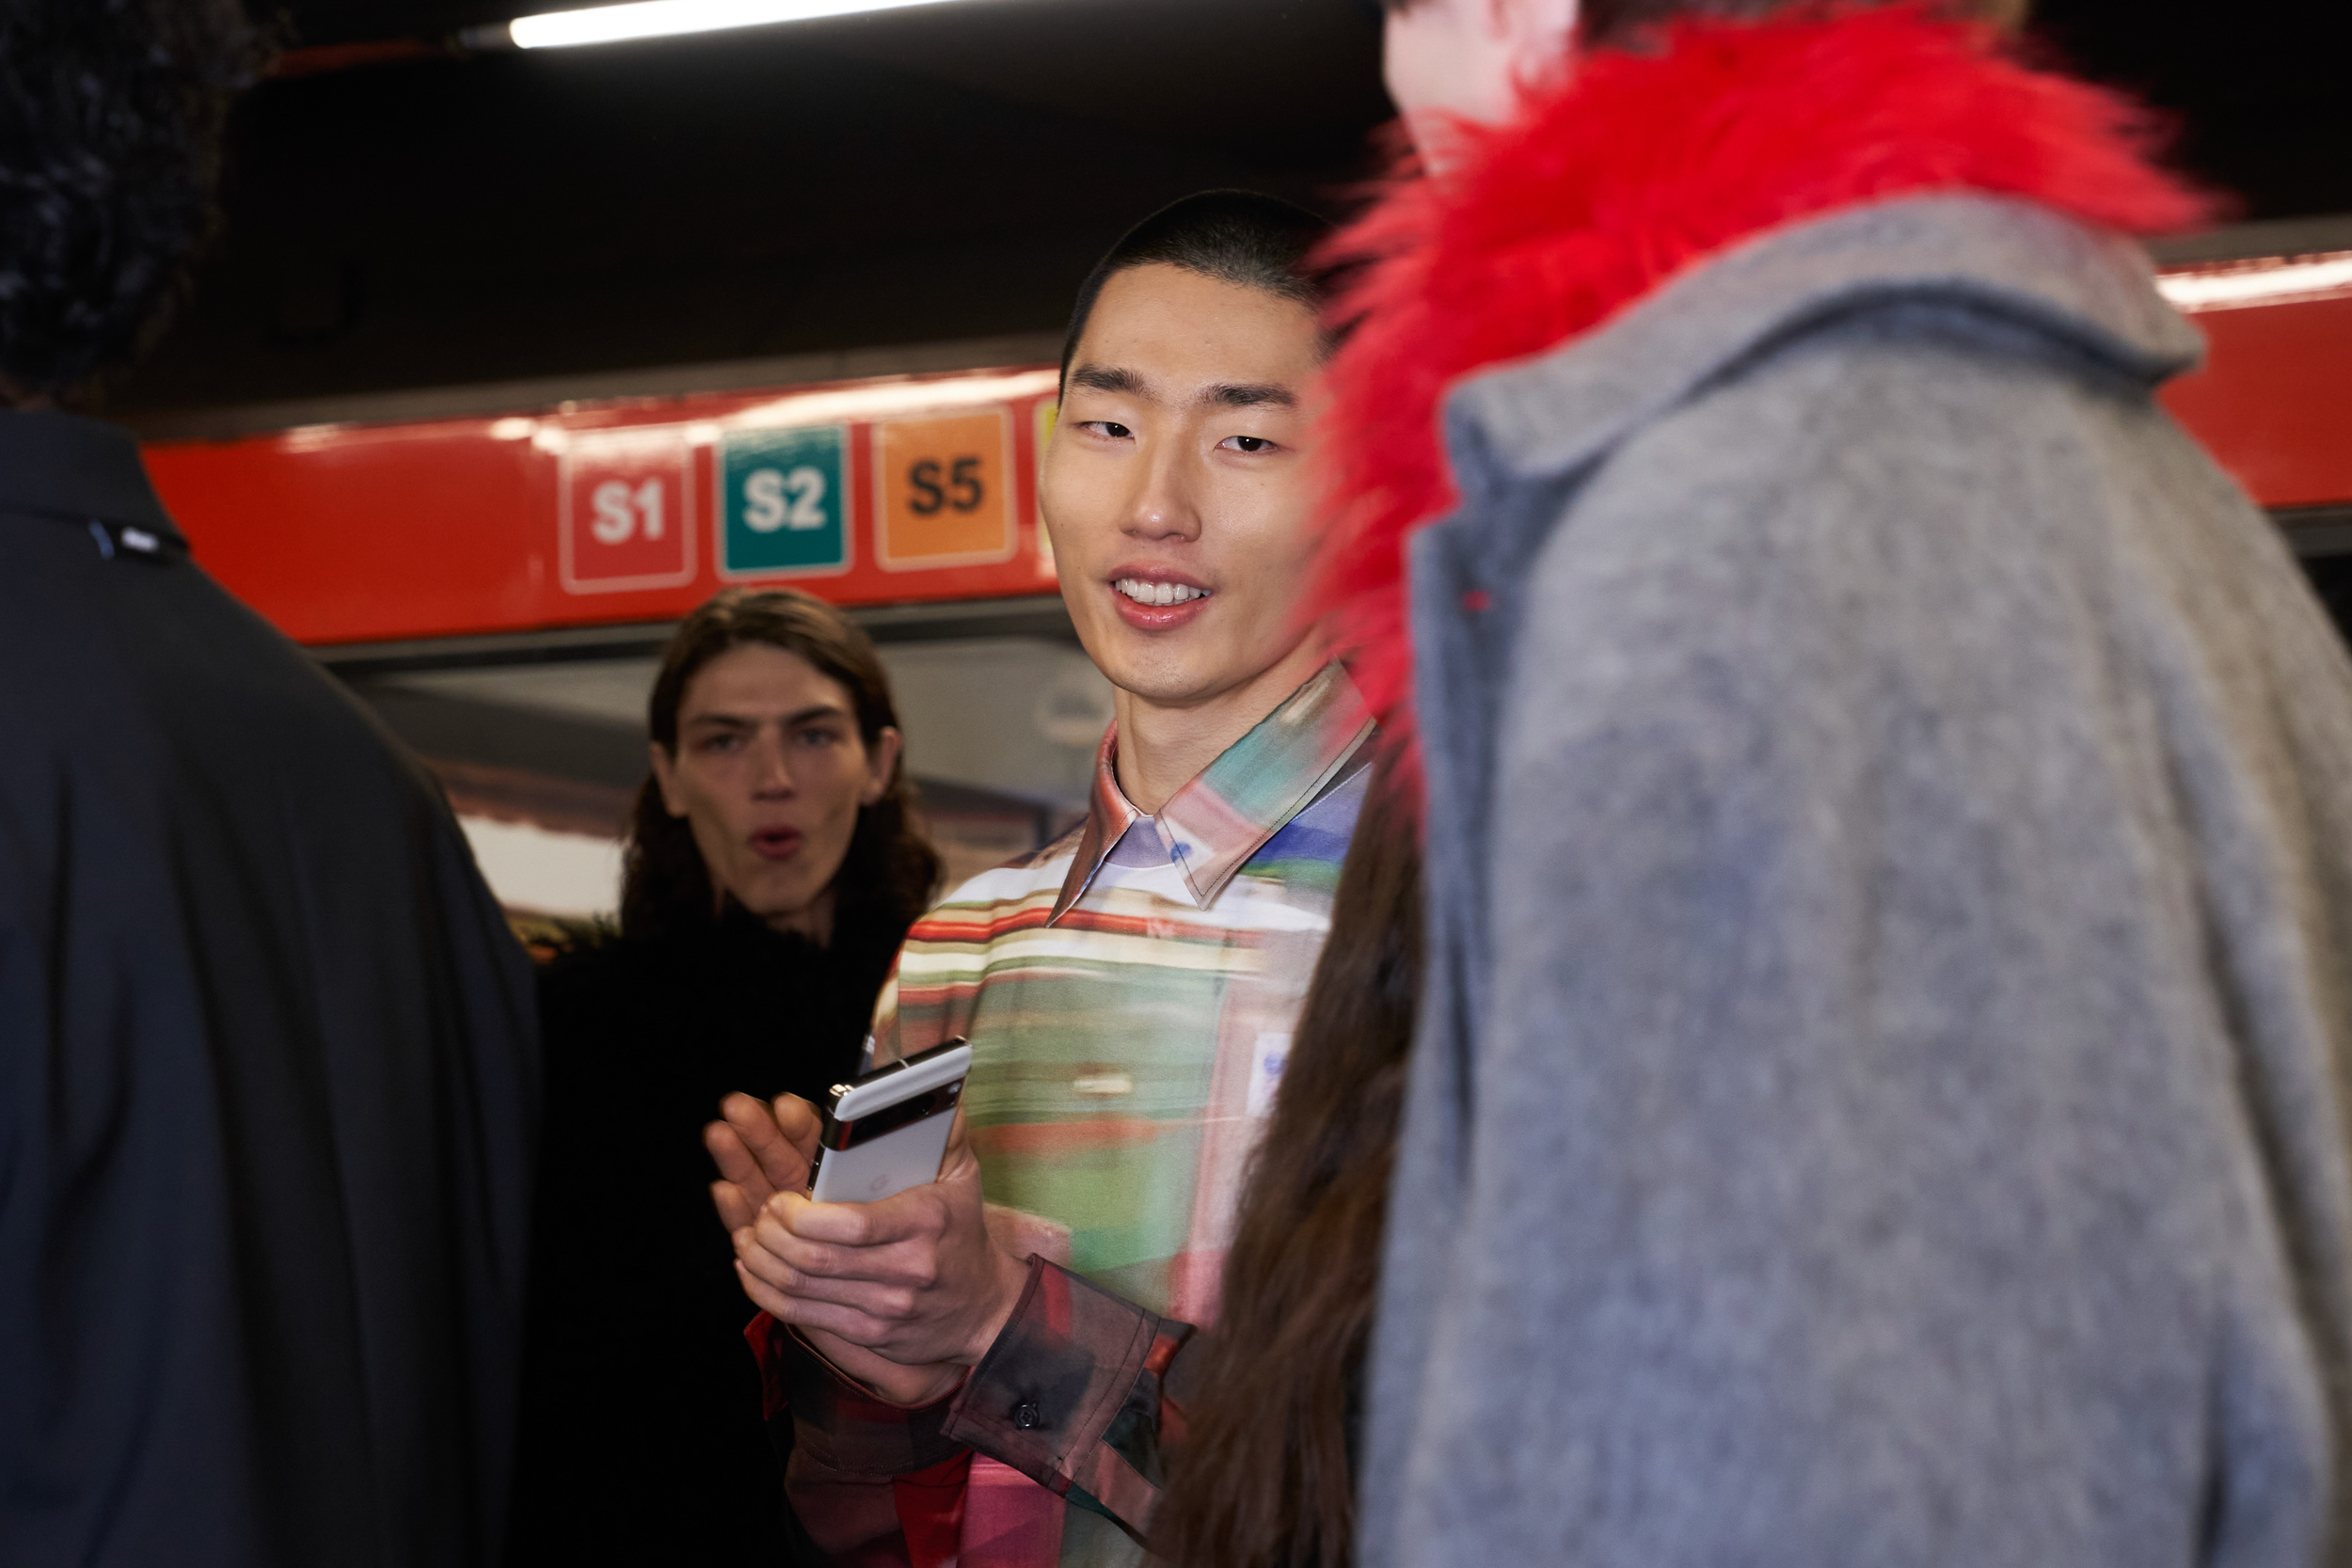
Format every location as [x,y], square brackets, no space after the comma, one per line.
[776,843]
[1157,596]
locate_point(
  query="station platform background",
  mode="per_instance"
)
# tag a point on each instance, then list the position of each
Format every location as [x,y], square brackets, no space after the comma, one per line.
[449,279]
[447,552]
[543,759]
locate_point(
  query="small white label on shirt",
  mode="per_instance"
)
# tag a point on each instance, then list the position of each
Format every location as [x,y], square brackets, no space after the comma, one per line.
[1266,1070]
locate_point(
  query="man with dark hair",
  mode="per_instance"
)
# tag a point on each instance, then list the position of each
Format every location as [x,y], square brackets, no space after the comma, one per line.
[1881,1096]
[267,1047]
[1237,237]
[1129,993]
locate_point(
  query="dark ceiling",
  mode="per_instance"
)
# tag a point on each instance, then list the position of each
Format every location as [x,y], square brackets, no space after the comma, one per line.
[940,173]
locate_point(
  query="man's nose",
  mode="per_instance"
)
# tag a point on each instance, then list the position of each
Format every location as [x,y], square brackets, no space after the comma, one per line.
[1165,506]
[772,774]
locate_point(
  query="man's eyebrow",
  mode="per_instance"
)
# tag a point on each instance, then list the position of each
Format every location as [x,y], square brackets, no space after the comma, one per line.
[738,722]
[1110,378]
[1248,395]
[1224,394]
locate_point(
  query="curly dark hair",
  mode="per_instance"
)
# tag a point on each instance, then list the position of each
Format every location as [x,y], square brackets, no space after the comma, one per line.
[111,114]
[891,868]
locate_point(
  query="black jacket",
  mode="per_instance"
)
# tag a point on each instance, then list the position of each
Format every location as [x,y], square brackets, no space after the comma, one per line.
[267,1076]
[641,1436]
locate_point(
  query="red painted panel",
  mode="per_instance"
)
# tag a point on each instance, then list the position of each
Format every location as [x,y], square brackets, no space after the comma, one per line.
[2274,400]
[358,534]
[405,531]
[377,534]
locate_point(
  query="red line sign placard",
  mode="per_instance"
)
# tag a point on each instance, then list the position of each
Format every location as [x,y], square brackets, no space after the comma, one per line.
[611,513]
[625,511]
[634,512]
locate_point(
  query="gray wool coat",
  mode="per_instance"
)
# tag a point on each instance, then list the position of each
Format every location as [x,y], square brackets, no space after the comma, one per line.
[1880,1093]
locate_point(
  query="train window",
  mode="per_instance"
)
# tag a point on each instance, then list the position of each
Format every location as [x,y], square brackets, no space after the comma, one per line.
[2322,538]
[541,743]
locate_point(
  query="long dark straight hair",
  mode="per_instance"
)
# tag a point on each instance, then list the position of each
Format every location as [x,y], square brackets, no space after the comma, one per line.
[890,869]
[1263,1478]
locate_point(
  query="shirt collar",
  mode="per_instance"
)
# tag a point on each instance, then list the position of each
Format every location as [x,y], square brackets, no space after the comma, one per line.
[1226,812]
[67,469]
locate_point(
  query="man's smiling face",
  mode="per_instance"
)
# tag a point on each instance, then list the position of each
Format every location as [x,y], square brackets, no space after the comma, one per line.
[1176,486]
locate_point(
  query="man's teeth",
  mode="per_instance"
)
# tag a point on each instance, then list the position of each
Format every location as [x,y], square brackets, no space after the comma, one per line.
[1157,593]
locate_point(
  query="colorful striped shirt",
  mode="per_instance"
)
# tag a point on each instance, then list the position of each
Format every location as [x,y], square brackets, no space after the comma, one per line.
[1129,993]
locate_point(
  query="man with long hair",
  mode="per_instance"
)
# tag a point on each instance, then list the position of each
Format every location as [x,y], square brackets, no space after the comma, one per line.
[267,1056]
[1879,1097]
[774,866]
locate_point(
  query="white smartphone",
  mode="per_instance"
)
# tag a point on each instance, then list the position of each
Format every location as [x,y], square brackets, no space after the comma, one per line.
[888,1130]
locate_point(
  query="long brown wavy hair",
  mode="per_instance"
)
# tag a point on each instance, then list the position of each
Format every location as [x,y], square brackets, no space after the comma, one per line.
[890,869]
[1265,1477]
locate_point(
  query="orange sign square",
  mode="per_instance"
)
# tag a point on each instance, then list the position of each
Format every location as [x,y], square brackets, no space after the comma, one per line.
[943,491]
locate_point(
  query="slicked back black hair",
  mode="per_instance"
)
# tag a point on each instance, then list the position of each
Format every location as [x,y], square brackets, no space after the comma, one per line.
[110,124]
[1241,237]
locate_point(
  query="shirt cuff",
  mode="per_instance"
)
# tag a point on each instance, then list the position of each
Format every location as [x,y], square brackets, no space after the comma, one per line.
[1069,1393]
[837,1422]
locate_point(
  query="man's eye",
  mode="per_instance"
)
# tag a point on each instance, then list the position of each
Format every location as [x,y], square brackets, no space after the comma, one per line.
[819,738]
[723,743]
[1247,443]
[1109,428]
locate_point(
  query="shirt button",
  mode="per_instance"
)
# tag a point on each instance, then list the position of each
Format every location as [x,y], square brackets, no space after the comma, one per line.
[1027,1416]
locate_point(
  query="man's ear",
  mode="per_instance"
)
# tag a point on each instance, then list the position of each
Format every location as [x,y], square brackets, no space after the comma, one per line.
[665,775]
[882,763]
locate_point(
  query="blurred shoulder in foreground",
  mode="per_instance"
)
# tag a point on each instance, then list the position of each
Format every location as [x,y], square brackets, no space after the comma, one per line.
[267,1056]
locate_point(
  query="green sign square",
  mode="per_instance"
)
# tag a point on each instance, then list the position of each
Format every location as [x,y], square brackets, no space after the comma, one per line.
[784,501]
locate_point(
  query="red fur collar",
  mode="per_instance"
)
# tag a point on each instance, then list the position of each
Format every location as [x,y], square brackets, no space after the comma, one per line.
[1638,165]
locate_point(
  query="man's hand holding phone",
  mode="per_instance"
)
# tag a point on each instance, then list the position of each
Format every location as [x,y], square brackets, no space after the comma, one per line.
[902,1294]
[760,1149]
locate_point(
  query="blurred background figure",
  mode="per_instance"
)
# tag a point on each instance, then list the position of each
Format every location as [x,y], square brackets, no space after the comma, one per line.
[772,868]
[266,1048]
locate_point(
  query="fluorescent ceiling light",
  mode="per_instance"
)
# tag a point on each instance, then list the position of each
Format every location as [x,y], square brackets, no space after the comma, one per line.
[2264,282]
[659,19]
